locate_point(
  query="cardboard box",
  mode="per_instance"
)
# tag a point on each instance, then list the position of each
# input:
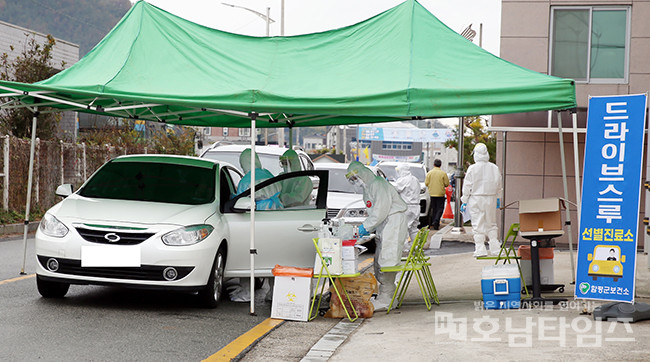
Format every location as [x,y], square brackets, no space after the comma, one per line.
[541,217]
[291,298]
[501,287]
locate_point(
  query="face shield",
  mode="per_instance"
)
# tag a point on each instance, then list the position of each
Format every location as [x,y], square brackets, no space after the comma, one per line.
[354,179]
[285,165]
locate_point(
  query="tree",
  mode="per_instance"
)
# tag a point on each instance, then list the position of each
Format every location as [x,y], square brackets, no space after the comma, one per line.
[475,132]
[31,65]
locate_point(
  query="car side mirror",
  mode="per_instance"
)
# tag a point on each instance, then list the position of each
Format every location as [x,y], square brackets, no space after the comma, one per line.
[243,204]
[64,190]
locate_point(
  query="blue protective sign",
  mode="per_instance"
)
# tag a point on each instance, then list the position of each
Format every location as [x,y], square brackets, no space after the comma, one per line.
[611,190]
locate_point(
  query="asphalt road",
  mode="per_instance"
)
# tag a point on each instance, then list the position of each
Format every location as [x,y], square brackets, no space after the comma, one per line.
[102,323]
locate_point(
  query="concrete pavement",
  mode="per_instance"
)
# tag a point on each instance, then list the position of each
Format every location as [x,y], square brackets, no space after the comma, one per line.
[459,329]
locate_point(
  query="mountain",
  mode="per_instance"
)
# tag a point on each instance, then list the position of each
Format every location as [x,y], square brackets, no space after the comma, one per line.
[83,22]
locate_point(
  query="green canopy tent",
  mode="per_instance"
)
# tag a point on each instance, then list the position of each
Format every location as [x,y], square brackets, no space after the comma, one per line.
[401,64]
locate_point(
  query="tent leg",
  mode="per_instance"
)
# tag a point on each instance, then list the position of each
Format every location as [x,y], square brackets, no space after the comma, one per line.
[253,116]
[503,178]
[29,189]
[566,195]
[576,159]
[458,224]
[290,138]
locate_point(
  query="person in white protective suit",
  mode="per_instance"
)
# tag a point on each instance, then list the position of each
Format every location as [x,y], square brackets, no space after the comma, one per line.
[387,217]
[408,188]
[482,189]
[267,198]
[296,191]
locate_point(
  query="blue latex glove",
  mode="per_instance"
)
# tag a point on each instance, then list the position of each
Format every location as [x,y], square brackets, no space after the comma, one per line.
[463,207]
[362,231]
[498,203]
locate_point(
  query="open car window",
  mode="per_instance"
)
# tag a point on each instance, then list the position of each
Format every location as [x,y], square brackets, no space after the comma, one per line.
[290,191]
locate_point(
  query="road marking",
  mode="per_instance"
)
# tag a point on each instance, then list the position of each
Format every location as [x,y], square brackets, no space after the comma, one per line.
[234,348]
[7,281]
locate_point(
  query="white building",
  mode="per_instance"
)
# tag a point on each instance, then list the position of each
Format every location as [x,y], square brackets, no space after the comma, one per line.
[64,55]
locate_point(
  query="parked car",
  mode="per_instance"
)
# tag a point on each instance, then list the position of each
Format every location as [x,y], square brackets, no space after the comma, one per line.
[169,222]
[269,156]
[420,172]
[344,201]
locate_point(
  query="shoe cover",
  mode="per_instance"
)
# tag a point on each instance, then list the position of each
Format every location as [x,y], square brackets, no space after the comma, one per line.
[479,245]
[379,304]
[495,247]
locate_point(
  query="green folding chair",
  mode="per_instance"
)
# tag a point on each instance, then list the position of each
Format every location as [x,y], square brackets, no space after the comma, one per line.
[508,253]
[416,263]
[323,275]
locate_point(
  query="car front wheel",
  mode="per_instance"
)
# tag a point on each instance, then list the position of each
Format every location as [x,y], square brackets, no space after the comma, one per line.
[50,289]
[212,292]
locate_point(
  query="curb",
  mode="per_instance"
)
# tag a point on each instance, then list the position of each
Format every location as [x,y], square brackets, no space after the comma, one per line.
[7,230]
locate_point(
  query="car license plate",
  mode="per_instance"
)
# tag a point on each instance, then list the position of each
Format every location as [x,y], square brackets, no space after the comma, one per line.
[110,256]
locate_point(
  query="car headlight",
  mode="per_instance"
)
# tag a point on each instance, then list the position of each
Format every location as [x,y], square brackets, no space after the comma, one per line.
[51,226]
[595,267]
[617,269]
[355,213]
[188,235]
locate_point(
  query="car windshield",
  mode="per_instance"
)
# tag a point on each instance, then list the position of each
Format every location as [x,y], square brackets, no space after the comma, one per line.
[392,175]
[338,182]
[269,162]
[154,182]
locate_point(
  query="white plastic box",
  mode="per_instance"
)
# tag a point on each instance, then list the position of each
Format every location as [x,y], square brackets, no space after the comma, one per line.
[330,248]
[291,297]
[349,257]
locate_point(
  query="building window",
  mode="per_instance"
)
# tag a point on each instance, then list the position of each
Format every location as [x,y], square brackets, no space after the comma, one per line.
[392,145]
[244,132]
[590,44]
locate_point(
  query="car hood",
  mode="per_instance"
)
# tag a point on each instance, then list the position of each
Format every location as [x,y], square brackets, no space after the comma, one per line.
[78,208]
[343,200]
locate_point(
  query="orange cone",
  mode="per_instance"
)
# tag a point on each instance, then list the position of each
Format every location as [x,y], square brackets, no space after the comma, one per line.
[448,214]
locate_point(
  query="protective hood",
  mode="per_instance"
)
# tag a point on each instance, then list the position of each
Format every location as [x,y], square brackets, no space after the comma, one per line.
[245,161]
[403,170]
[481,153]
[357,168]
[292,157]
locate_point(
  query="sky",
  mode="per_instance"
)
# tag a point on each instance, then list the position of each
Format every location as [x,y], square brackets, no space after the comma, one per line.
[310,16]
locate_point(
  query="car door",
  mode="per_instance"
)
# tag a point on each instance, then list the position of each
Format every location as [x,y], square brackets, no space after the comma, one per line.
[282,236]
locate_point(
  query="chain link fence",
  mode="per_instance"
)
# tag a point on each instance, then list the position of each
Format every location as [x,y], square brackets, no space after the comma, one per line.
[55,163]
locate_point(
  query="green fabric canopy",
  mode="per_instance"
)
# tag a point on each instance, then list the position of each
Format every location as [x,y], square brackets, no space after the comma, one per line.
[400,64]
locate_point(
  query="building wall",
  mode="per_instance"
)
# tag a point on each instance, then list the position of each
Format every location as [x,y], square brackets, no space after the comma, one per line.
[532,159]
[64,55]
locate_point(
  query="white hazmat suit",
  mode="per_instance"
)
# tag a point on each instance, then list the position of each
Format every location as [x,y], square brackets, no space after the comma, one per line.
[296,191]
[408,188]
[386,215]
[266,198]
[481,188]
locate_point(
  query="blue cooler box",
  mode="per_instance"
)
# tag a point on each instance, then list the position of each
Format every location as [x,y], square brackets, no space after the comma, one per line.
[501,287]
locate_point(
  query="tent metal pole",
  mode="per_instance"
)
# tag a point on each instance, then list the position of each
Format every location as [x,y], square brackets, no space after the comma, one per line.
[459,174]
[503,183]
[290,138]
[566,194]
[253,116]
[29,189]
[576,160]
